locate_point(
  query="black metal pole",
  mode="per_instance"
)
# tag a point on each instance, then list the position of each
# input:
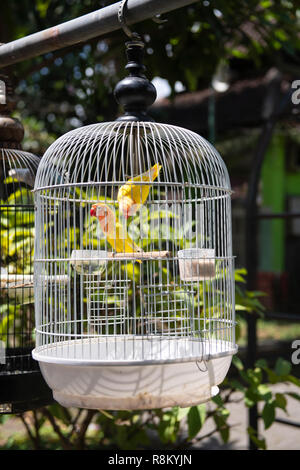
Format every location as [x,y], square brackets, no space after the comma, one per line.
[251,253]
[272,110]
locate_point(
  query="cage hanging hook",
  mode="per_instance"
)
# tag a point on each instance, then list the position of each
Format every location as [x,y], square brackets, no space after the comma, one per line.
[121,17]
[198,365]
[199,361]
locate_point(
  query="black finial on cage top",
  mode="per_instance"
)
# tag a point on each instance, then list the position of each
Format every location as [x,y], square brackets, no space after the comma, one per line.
[135,92]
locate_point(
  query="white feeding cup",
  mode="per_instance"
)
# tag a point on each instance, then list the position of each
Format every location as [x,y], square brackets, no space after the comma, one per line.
[197,264]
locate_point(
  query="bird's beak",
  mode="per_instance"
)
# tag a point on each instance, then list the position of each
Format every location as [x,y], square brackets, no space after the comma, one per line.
[93,211]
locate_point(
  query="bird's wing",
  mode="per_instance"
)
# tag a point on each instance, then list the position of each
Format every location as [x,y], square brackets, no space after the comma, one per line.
[124,242]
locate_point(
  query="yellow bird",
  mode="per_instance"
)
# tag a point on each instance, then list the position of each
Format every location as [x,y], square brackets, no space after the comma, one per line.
[114,232]
[132,196]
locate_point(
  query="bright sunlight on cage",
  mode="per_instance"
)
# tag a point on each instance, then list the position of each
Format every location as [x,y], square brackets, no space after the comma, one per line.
[134,285]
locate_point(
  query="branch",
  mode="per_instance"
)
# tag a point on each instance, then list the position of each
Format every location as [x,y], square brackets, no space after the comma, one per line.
[83,428]
[34,439]
[66,444]
[74,422]
[187,443]
[36,427]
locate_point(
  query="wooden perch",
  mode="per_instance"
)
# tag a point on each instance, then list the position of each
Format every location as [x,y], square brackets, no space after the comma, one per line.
[10,285]
[16,281]
[20,281]
[140,255]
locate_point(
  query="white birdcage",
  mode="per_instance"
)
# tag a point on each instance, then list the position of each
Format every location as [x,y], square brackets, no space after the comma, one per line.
[134,275]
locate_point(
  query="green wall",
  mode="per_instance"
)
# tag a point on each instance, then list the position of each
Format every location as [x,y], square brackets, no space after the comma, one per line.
[276,185]
[273,187]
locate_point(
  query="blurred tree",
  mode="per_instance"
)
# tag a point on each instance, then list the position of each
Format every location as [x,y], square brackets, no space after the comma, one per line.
[73,87]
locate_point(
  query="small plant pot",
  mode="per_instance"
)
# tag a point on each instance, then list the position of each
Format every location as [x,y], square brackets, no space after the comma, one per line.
[89,261]
[197,264]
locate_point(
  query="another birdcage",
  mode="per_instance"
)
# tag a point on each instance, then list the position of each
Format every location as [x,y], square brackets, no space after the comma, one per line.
[141,230]
[22,386]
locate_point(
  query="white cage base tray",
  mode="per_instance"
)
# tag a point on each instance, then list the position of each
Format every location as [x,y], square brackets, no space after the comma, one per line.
[137,383]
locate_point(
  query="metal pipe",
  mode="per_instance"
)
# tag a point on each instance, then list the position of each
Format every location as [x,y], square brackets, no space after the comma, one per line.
[272,111]
[288,422]
[269,112]
[293,317]
[97,23]
[279,215]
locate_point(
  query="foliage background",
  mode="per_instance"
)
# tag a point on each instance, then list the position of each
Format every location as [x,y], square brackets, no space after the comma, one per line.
[74,86]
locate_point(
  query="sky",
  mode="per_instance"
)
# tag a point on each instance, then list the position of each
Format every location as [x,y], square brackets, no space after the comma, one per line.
[163,88]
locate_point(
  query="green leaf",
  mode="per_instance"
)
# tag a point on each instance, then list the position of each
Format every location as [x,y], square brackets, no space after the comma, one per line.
[218,400]
[239,275]
[237,332]
[255,293]
[251,397]
[191,79]
[42,7]
[293,380]
[281,401]
[248,402]
[264,392]
[260,443]
[224,413]
[195,419]
[262,363]
[254,376]
[272,377]
[282,367]
[268,414]
[202,412]
[182,412]
[168,428]
[224,431]
[235,384]
[241,308]
[220,418]
[237,363]
[108,415]
[265,4]
[238,53]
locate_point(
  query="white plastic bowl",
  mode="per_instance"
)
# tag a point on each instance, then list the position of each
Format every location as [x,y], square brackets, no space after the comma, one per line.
[137,383]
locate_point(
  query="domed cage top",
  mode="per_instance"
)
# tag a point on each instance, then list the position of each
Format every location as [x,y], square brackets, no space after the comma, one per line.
[152,281]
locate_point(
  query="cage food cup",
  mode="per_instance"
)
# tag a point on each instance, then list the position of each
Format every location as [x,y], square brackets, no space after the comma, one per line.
[196,264]
[89,261]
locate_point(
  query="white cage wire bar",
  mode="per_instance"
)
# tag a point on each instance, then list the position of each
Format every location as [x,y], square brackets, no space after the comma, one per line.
[170,298]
